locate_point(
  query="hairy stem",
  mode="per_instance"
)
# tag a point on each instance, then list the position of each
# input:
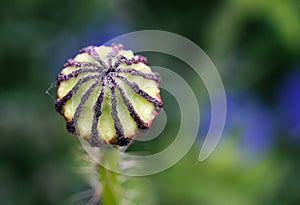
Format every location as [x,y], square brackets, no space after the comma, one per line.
[111,187]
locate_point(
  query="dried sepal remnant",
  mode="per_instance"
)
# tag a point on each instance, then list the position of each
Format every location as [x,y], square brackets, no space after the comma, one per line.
[107,95]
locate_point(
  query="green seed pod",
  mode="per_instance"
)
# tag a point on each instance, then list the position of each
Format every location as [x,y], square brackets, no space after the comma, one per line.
[107,95]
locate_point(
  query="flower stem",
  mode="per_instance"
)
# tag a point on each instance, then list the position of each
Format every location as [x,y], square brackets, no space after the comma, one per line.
[111,187]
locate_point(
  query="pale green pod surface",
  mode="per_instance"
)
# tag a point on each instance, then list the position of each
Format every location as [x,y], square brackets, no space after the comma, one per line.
[108,95]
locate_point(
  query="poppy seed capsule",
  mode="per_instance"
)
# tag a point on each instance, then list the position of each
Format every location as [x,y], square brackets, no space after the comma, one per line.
[107,95]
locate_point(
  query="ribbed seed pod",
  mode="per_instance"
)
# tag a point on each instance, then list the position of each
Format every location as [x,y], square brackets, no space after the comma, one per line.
[107,95]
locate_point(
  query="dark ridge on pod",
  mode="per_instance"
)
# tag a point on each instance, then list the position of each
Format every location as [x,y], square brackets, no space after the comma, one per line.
[82,101]
[157,104]
[70,125]
[62,77]
[136,59]
[73,63]
[59,103]
[114,112]
[92,52]
[94,141]
[139,58]
[139,122]
[116,47]
[97,109]
[140,92]
[151,76]
[123,141]
[123,59]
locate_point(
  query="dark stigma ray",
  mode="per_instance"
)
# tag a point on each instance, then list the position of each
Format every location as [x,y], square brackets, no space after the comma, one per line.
[139,122]
[91,51]
[94,141]
[122,59]
[151,76]
[71,124]
[73,63]
[109,61]
[137,90]
[74,73]
[115,51]
[136,59]
[139,59]
[60,102]
[112,54]
[121,139]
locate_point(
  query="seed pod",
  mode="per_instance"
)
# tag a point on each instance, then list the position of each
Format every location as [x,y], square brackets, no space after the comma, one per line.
[107,95]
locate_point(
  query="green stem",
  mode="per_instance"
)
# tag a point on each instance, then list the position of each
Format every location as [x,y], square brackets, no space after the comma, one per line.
[111,187]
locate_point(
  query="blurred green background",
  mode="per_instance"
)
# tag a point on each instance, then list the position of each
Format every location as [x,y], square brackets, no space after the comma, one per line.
[255,45]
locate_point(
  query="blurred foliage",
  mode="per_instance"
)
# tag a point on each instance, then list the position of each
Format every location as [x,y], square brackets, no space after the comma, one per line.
[255,44]
[226,178]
